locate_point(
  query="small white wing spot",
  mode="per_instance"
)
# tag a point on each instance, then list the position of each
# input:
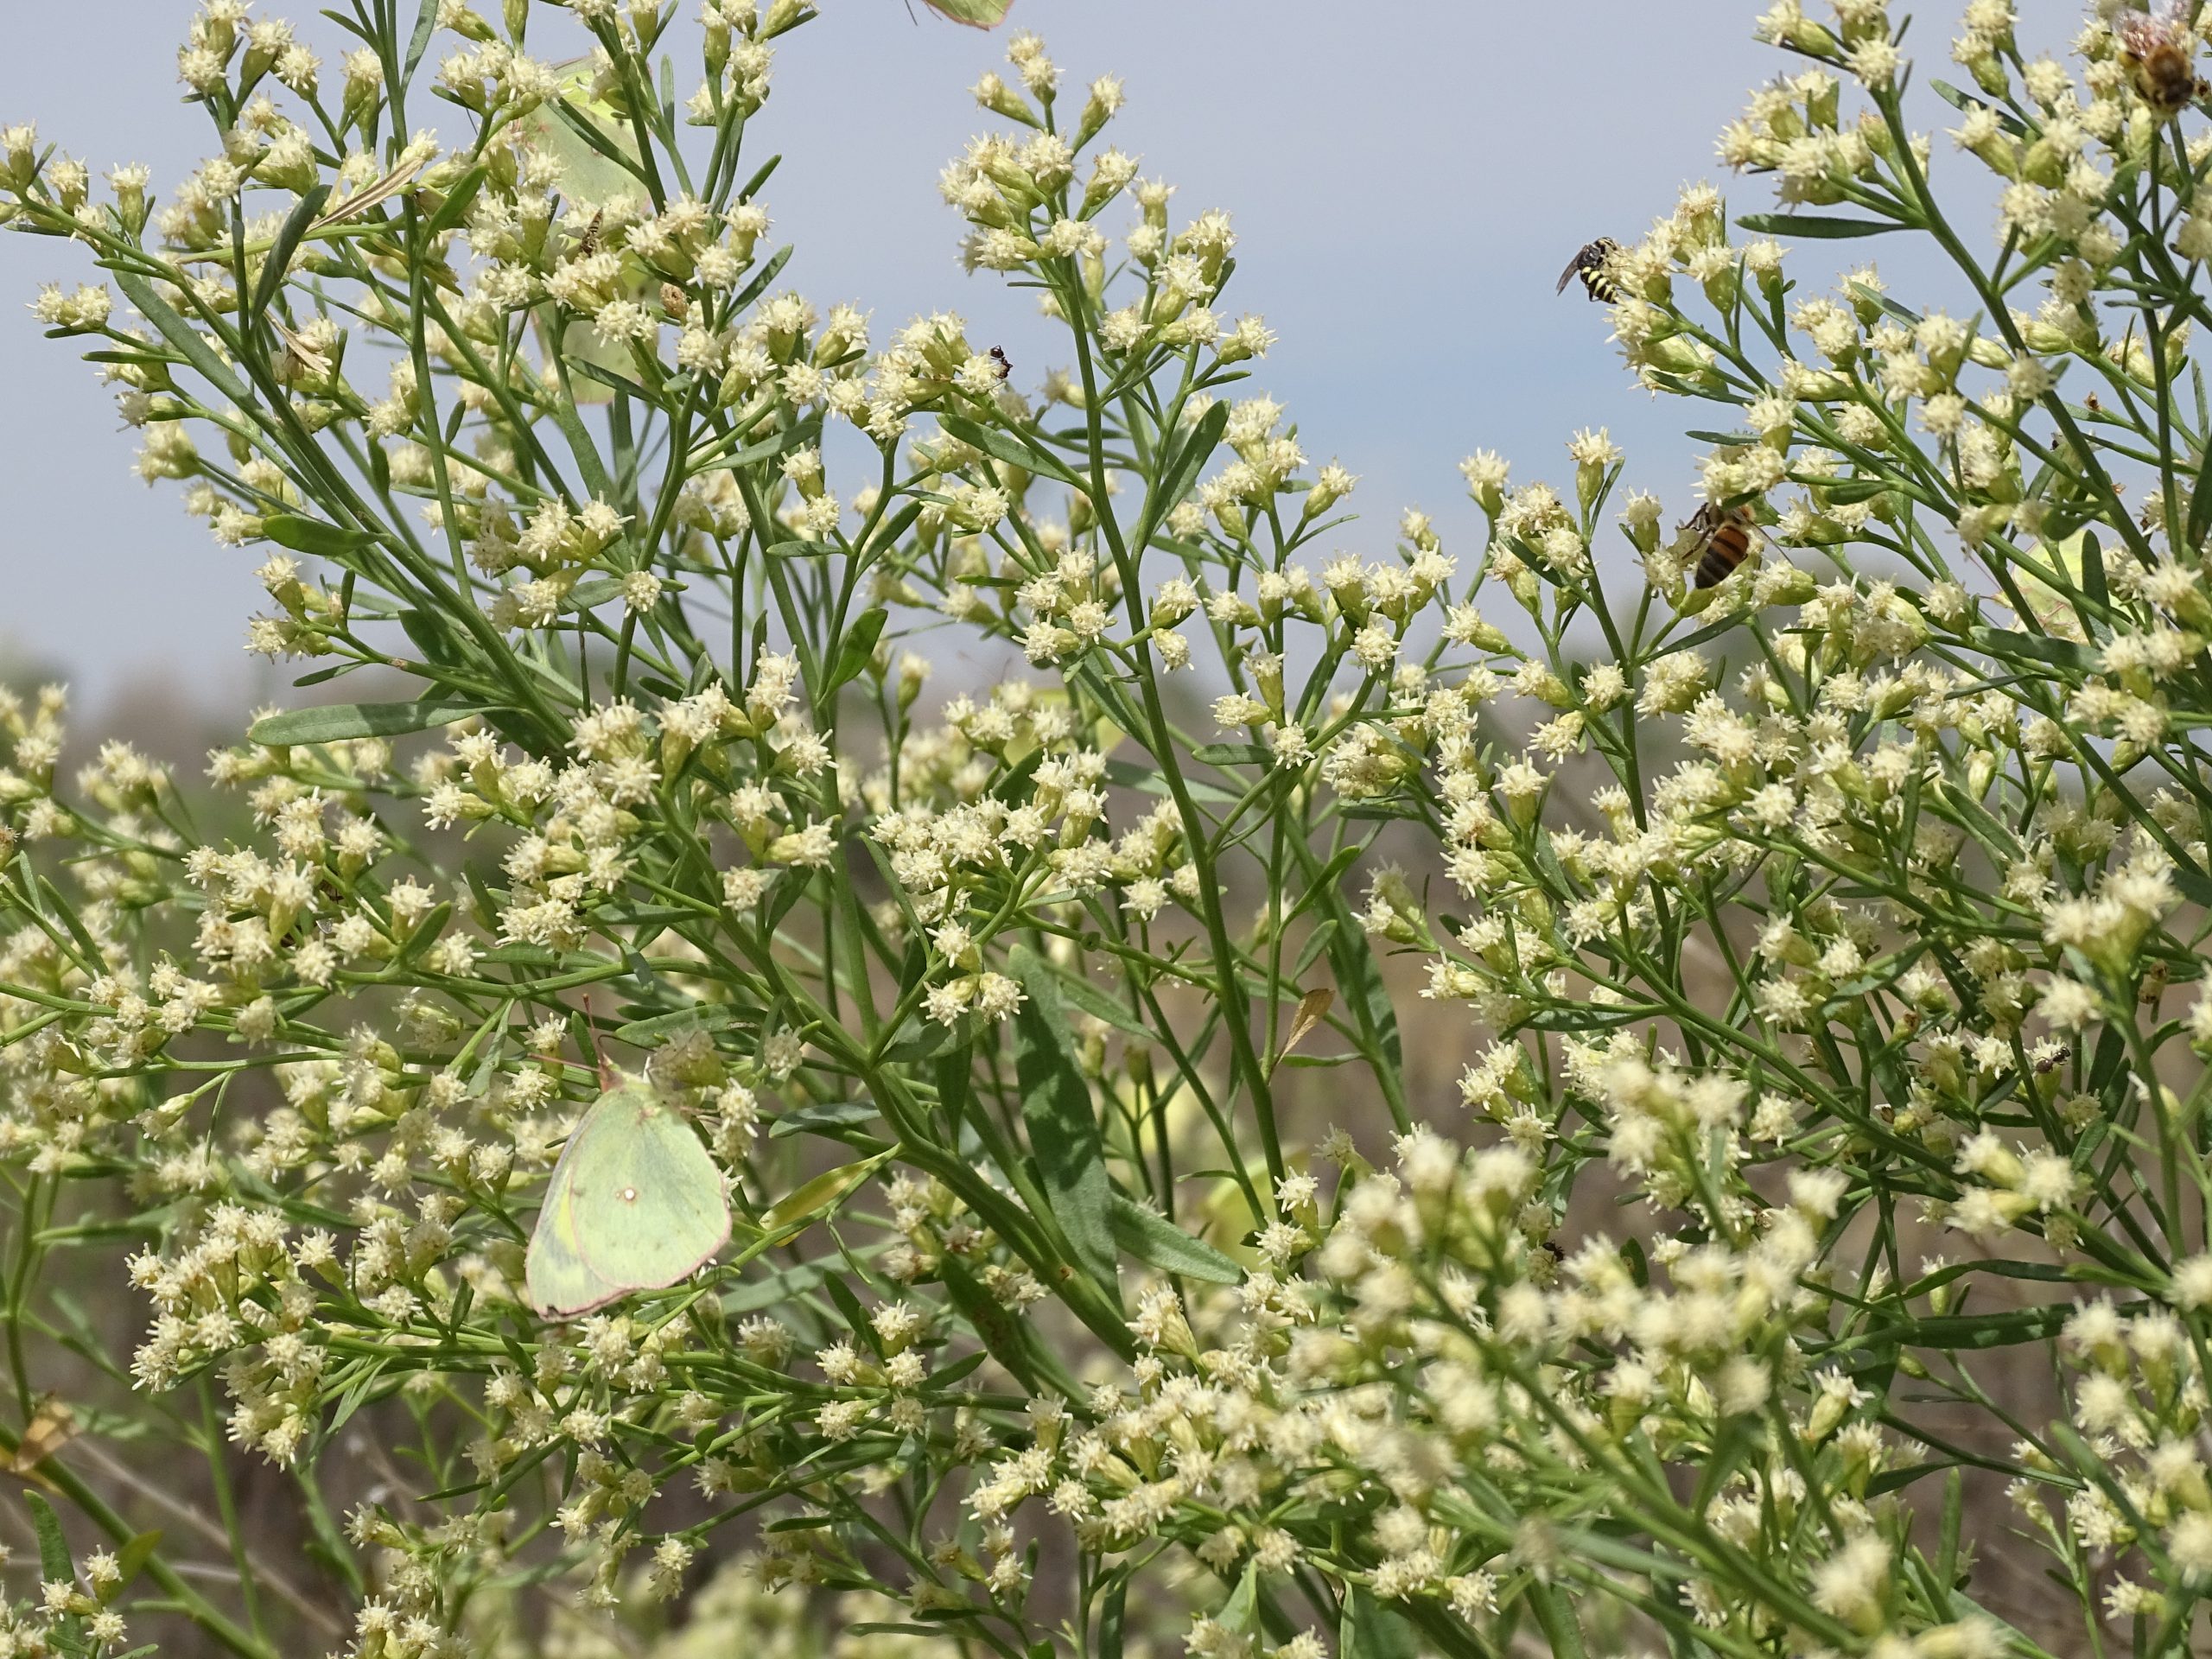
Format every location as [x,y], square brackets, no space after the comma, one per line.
[629,1195]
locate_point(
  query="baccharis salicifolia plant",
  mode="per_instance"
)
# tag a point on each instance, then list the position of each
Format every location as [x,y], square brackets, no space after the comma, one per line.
[1826,937]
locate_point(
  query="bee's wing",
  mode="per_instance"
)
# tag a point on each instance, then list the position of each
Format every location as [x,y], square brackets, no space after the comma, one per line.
[1574,266]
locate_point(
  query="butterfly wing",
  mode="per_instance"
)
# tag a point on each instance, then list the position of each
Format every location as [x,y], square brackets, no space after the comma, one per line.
[650,1207]
[588,174]
[556,1277]
[976,14]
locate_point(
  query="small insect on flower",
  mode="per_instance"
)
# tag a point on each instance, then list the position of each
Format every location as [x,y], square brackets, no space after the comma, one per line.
[2052,1062]
[299,355]
[2154,984]
[2156,49]
[1721,537]
[998,356]
[1589,264]
[589,244]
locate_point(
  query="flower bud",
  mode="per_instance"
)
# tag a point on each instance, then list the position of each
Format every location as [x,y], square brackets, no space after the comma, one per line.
[1988,71]
[1723,286]
[995,95]
[21,146]
[1098,109]
[783,15]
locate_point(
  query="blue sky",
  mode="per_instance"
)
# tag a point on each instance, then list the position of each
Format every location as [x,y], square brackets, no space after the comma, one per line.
[1407,181]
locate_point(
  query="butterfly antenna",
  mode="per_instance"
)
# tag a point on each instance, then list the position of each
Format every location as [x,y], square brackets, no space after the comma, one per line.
[598,1059]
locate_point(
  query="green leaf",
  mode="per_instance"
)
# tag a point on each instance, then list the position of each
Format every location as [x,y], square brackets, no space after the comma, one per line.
[887,1627]
[1240,1611]
[1130,775]
[1322,886]
[1316,942]
[1555,1613]
[772,447]
[1369,1631]
[1009,447]
[858,650]
[1159,1243]
[356,1395]
[579,364]
[426,24]
[830,1119]
[426,933]
[334,721]
[313,535]
[1181,472]
[590,595]
[1111,1615]
[742,301]
[131,1559]
[182,335]
[1231,754]
[816,1195]
[1817,227]
[1360,976]
[54,1563]
[2045,648]
[1063,1128]
[706,1016]
[458,201]
[1959,99]
[1006,1337]
[279,262]
[1849,490]
[1088,999]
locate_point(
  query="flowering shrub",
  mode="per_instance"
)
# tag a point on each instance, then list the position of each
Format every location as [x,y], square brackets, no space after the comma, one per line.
[1815,1251]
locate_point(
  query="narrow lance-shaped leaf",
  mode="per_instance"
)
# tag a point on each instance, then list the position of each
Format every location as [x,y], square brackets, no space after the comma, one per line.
[1015,451]
[304,535]
[337,721]
[279,262]
[1063,1127]
[1819,227]
[53,1564]
[1159,1243]
[1177,476]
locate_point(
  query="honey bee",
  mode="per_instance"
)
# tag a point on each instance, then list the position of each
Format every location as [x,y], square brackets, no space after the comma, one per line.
[998,356]
[1722,539]
[1590,265]
[588,244]
[2155,47]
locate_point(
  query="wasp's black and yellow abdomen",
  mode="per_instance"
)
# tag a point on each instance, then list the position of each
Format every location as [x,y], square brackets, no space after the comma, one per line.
[1589,264]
